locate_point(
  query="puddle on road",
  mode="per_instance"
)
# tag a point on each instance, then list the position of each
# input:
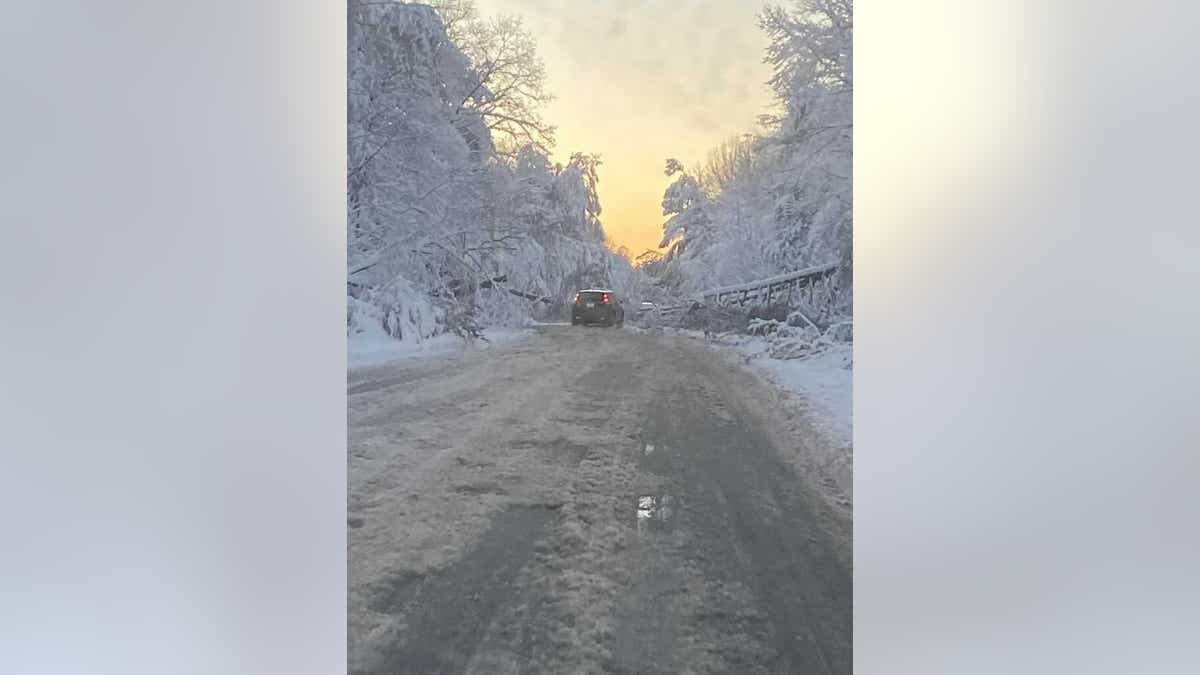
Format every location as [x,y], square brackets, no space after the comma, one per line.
[652,443]
[655,512]
[656,508]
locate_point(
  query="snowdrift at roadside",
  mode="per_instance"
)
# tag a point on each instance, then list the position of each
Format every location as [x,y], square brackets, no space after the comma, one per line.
[411,332]
[818,367]
[824,378]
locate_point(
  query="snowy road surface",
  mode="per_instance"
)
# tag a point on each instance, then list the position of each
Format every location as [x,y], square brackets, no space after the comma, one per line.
[589,500]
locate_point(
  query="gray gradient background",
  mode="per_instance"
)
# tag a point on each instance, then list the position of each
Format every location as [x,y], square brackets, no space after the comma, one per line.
[172,355]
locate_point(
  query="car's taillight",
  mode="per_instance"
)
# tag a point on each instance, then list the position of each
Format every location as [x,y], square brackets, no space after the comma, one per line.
[605,300]
[576,300]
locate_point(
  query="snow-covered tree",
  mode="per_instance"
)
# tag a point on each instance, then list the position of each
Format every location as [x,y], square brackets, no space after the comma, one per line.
[778,201]
[811,52]
[507,82]
[445,229]
[688,231]
[414,167]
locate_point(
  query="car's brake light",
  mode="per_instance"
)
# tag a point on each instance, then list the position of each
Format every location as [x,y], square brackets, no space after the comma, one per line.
[605,301]
[576,298]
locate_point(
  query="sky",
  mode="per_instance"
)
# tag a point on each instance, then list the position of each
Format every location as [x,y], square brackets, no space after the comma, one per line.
[638,81]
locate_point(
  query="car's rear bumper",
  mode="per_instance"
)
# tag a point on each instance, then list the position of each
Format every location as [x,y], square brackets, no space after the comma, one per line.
[594,315]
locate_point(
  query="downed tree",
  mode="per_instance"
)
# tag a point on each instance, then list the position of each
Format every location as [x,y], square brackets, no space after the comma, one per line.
[495,282]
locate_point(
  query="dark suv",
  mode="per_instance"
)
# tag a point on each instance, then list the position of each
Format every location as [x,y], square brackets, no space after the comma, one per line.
[597,305]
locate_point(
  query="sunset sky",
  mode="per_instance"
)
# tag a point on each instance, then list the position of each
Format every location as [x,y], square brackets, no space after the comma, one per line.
[638,81]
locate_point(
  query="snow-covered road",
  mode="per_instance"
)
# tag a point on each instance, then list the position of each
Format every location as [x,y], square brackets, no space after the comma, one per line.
[591,500]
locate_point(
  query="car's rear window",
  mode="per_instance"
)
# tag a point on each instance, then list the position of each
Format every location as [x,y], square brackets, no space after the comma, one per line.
[591,296]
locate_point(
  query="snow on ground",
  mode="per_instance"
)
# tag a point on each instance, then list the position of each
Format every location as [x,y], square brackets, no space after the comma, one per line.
[375,347]
[823,379]
[812,383]
[530,497]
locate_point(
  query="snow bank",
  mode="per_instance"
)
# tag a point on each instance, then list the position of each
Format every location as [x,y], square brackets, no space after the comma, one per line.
[371,346]
[825,380]
[819,371]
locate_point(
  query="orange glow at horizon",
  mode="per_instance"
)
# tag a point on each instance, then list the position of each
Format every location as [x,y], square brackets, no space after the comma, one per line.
[638,82]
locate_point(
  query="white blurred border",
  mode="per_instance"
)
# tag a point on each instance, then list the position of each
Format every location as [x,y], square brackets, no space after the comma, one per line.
[172,359]
[172,387]
[1026,371]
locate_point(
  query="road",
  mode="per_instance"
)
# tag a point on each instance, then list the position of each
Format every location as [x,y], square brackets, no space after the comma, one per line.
[589,500]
